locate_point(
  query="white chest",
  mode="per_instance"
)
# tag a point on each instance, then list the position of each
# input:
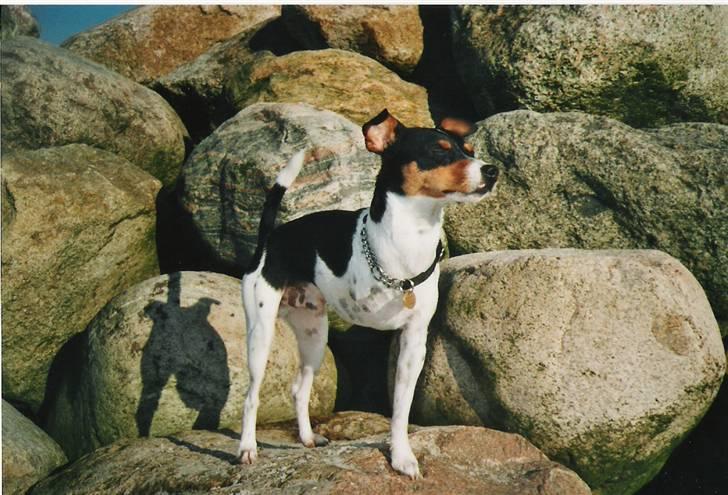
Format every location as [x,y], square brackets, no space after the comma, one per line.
[359,298]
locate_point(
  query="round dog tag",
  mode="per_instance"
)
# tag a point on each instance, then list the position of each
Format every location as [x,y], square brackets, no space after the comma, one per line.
[409,299]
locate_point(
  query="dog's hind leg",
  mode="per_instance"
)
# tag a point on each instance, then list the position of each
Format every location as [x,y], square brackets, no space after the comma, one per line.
[305,310]
[261,302]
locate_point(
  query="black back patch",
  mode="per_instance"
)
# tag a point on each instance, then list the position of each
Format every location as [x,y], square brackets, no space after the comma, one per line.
[292,247]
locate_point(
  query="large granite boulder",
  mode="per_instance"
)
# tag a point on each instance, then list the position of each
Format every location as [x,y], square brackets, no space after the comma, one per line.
[605,360]
[390,34]
[16,20]
[52,97]
[344,82]
[454,459]
[168,355]
[230,78]
[225,178]
[29,454]
[148,42]
[576,180]
[645,65]
[78,228]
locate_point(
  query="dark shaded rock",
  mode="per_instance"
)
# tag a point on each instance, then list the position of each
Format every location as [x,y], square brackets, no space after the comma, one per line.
[52,97]
[16,20]
[437,72]
[696,465]
[151,41]
[569,348]
[366,371]
[29,454]
[645,65]
[390,34]
[576,180]
[169,355]
[455,459]
[202,91]
[78,228]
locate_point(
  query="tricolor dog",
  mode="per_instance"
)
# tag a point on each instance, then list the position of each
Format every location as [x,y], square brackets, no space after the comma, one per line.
[377,267]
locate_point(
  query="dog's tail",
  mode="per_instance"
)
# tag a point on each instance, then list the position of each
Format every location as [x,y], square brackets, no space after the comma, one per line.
[272,204]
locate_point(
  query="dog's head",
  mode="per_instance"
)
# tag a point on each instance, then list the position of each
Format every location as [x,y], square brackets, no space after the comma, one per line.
[436,163]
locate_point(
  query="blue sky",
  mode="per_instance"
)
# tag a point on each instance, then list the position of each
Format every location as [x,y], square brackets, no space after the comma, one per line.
[59,22]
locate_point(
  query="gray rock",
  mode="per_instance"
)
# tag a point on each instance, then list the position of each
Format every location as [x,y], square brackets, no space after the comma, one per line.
[225,178]
[390,34]
[605,360]
[645,65]
[16,20]
[455,459]
[148,42]
[230,78]
[52,97]
[78,228]
[201,91]
[168,355]
[29,454]
[575,180]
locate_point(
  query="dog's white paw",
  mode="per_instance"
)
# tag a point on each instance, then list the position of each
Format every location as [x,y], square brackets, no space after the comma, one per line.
[315,440]
[406,463]
[247,456]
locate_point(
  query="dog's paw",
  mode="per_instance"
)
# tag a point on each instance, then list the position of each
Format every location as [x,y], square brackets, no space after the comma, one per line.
[247,456]
[406,463]
[320,440]
[316,440]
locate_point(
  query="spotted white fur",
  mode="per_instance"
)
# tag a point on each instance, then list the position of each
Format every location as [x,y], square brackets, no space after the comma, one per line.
[404,241]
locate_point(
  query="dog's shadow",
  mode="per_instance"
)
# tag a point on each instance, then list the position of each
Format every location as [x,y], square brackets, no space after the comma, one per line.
[184,345]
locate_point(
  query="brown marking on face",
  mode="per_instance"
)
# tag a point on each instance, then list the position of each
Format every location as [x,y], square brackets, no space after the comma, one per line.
[469,148]
[444,144]
[456,126]
[438,182]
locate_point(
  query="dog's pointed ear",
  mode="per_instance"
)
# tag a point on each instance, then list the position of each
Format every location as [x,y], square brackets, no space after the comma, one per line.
[381,131]
[457,127]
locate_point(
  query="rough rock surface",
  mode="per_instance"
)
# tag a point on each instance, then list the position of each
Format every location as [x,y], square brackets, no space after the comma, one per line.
[455,459]
[169,355]
[148,42]
[347,83]
[605,360]
[390,34]
[29,454]
[201,90]
[575,180]
[229,78]
[78,228]
[645,65]
[16,20]
[225,178]
[52,97]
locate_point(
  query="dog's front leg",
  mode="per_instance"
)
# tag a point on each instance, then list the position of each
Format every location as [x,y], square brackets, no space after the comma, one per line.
[412,344]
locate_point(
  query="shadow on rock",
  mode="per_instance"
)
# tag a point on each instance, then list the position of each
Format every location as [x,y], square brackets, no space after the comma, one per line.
[183,344]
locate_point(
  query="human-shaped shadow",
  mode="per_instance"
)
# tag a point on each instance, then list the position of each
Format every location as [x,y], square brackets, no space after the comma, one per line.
[184,344]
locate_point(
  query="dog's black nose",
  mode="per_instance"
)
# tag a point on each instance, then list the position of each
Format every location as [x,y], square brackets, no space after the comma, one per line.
[489,171]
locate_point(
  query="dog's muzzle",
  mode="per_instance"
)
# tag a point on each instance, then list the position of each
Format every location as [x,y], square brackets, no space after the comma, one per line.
[489,176]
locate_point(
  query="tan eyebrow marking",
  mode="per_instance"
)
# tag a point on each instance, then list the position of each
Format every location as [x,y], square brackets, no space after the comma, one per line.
[446,145]
[468,147]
